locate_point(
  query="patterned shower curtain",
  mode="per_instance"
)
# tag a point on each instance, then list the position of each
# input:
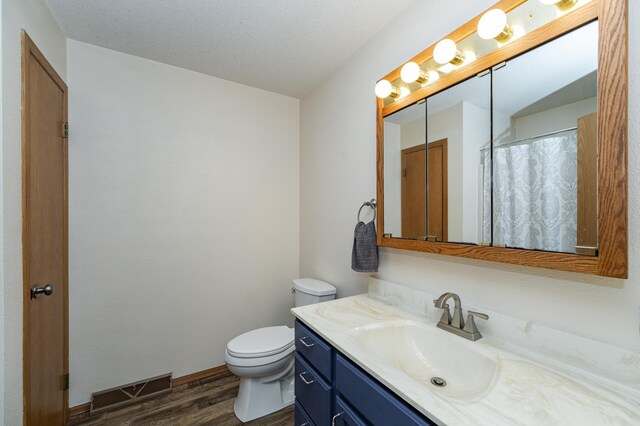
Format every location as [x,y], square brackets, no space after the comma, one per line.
[534,194]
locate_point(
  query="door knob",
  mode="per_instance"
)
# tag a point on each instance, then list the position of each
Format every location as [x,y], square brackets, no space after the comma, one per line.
[36,291]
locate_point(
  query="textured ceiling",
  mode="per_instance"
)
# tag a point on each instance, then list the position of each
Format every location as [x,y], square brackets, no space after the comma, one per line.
[285,46]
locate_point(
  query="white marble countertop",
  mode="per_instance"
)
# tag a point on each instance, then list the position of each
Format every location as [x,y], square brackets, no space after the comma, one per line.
[527,390]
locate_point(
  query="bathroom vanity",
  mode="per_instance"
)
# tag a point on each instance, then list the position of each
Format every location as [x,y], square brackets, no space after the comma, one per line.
[379,359]
[331,389]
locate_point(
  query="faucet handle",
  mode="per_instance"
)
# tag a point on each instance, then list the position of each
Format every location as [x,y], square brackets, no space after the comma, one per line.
[477,314]
[470,326]
[446,314]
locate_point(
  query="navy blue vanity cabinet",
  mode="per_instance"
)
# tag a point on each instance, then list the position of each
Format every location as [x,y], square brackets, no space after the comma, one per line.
[345,416]
[301,418]
[315,350]
[332,391]
[373,402]
[313,378]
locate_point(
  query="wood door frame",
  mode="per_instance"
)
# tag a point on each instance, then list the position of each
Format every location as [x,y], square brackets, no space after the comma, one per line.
[587,200]
[444,143]
[445,180]
[30,49]
[403,184]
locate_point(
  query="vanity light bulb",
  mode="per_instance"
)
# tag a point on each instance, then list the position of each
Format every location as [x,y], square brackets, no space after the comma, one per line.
[446,52]
[384,89]
[563,5]
[493,25]
[433,76]
[411,72]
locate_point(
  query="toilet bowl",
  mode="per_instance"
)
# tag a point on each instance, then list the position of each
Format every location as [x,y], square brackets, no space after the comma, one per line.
[263,359]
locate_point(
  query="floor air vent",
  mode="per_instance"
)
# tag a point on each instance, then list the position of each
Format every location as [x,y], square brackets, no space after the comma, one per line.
[132,392]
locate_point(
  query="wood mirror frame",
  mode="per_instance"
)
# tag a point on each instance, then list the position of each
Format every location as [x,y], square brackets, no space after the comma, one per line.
[611,259]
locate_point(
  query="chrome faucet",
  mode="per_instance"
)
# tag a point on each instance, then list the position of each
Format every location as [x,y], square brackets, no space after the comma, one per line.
[456,324]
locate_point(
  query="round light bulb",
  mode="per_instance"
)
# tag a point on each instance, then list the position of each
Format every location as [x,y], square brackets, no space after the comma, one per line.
[433,76]
[445,51]
[410,72]
[383,89]
[492,24]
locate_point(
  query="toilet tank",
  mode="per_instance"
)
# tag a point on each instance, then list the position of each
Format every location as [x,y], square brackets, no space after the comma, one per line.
[308,291]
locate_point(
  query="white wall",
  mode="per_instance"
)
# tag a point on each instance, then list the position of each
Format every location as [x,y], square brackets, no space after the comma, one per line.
[338,173]
[413,133]
[448,124]
[183,212]
[35,17]
[476,129]
[562,117]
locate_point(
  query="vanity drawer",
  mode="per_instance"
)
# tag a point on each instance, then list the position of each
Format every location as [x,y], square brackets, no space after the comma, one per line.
[345,416]
[374,402]
[314,349]
[312,393]
[301,417]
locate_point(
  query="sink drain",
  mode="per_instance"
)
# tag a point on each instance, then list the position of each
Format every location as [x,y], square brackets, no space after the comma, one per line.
[439,382]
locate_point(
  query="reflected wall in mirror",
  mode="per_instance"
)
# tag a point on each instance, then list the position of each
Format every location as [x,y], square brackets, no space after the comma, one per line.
[405,173]
[458,126]
[545,147]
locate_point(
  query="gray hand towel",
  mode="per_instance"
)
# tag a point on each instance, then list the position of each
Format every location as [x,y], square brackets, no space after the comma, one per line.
[364,257]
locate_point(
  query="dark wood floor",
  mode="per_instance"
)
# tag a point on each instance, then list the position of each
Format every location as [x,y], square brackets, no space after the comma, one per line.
[204,402]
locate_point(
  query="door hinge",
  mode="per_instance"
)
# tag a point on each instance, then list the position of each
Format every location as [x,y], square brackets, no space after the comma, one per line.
[66,381]
[64,129]
[404,172]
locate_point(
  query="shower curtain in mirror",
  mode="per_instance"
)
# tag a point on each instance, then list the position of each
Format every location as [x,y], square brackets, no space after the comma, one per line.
[534,194]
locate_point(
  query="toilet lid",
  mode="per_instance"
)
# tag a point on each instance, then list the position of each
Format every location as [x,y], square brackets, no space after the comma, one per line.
[261,342]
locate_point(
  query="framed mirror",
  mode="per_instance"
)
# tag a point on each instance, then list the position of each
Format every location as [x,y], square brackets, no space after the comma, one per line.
[540,177]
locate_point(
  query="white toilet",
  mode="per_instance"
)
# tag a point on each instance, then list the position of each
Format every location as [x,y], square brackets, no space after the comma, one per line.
[263,358]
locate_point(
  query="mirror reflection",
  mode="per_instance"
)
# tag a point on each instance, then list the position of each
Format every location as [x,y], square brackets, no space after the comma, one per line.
[545,147]
[405,173]
[458,126]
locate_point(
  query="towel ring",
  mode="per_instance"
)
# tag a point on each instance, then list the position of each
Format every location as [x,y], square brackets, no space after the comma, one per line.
[372,204]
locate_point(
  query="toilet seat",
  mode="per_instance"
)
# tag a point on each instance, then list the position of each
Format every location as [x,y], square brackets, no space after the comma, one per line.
[258,361]
[266,342]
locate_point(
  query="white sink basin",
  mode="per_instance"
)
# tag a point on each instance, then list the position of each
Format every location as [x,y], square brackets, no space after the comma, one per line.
[422,352]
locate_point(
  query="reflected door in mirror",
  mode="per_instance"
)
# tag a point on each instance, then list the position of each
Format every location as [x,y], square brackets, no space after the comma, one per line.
[437,216]
[414,200]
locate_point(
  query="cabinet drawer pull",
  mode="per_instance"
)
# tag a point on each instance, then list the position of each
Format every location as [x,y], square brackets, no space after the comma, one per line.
[333,420]
[306,382]
[305,343]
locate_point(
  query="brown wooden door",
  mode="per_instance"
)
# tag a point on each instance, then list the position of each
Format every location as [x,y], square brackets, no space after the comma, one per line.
[44,238]
[587,201]
[437,185]
[414,194]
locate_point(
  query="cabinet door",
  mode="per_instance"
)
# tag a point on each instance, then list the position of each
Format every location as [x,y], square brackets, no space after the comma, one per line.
[312,392]
[374,402]
[345,416]
[301,416]
[314,350]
